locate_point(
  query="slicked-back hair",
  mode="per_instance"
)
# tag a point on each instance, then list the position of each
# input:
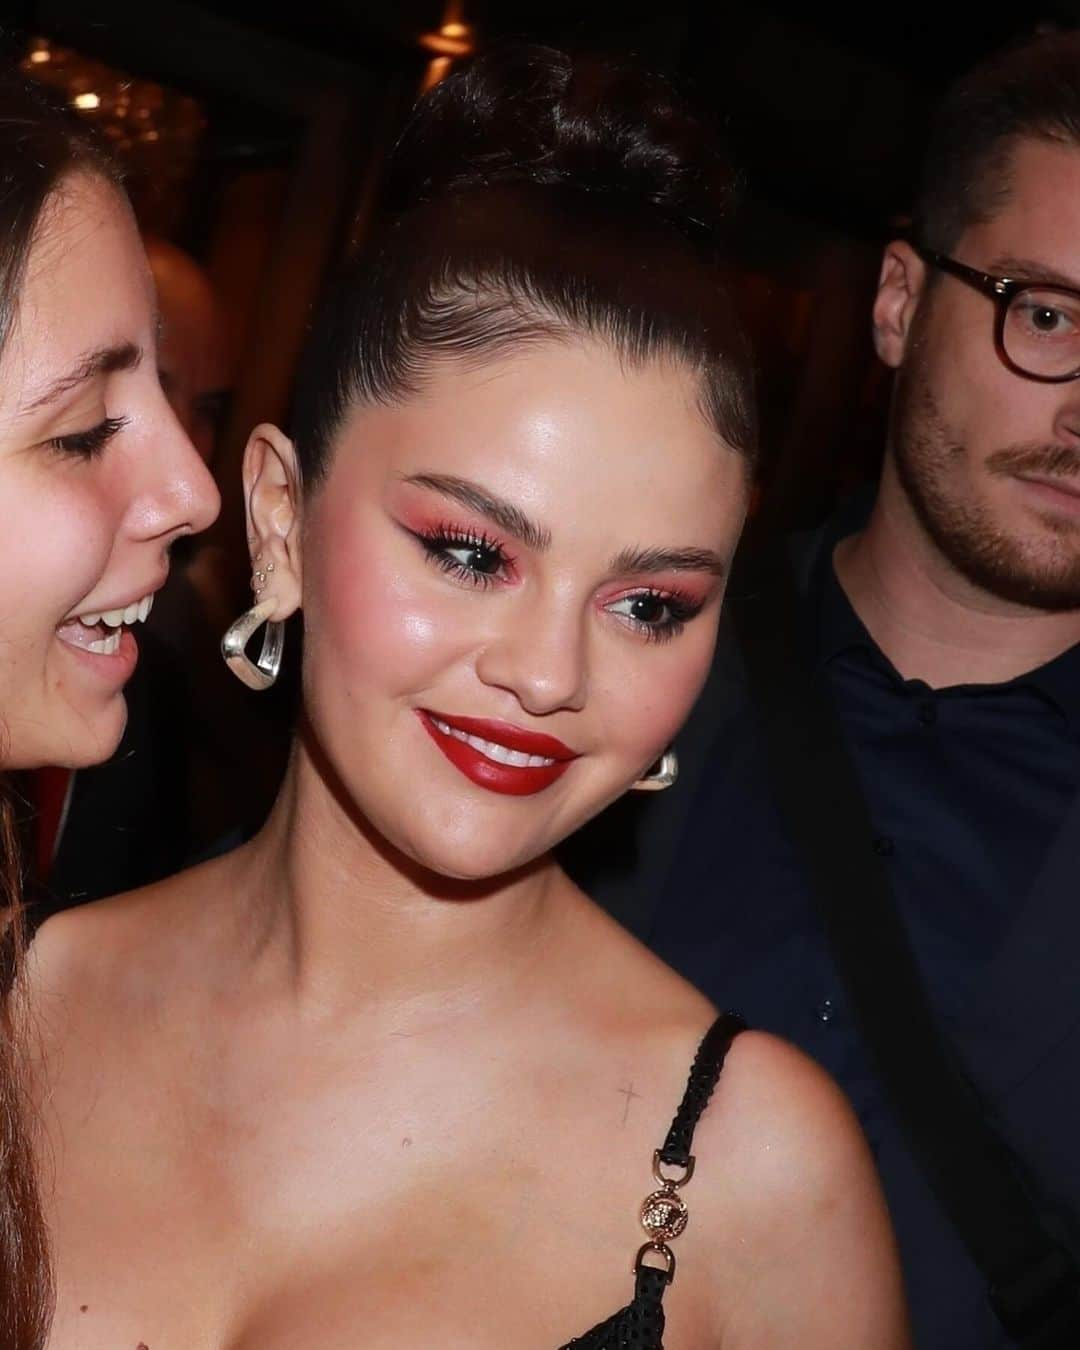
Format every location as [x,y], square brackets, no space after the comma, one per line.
[534,200]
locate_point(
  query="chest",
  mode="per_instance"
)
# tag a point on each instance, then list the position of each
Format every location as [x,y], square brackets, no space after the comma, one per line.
[266,1218]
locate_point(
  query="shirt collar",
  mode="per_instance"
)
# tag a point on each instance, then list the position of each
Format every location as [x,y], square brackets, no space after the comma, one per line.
[840,630]
[1059,682]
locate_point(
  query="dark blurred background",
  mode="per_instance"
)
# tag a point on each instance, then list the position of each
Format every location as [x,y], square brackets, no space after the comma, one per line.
[255,137]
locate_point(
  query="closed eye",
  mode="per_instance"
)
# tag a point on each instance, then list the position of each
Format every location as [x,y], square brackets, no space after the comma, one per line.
[88,444]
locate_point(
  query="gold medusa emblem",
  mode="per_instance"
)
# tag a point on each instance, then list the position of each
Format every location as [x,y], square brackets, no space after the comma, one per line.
[664,1215]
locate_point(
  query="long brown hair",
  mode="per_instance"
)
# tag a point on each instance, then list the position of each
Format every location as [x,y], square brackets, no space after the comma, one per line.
[25,1283]
[40,145]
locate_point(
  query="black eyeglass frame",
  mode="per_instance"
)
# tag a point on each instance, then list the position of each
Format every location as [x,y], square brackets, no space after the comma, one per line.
[1003,291]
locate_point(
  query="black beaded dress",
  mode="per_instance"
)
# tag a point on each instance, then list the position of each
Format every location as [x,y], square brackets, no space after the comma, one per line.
[640,1325]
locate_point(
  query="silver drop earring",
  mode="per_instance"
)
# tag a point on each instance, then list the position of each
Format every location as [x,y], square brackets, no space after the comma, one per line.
[662,776]
[262,673]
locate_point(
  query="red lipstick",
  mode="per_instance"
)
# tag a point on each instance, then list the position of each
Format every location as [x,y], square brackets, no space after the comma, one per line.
[478,762]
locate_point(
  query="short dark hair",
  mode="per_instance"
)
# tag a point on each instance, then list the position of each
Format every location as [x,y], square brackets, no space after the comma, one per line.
[1031,92]
[534,198]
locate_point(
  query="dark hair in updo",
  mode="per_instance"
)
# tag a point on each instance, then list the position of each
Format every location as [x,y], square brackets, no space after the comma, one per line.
[534,198]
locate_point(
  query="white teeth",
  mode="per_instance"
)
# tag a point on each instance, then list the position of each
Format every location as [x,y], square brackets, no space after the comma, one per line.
[501,754]
[137,612]
[106,646]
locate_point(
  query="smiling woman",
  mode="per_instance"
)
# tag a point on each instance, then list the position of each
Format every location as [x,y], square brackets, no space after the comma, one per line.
[96,480]
[387,1045]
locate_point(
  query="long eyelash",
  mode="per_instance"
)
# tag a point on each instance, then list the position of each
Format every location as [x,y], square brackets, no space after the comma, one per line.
[92,442]
[437,540]
[680,610]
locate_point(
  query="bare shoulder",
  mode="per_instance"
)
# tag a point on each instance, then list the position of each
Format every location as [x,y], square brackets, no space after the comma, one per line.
[790,1122]
[801,1189]
[96,957]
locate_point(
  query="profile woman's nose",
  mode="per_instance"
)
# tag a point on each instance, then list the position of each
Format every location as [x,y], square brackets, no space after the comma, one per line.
[179,493]
[540,657]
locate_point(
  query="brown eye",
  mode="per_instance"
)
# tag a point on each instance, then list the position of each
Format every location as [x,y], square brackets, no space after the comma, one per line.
[472,558]
[656,615]
[647,609]
[475,557]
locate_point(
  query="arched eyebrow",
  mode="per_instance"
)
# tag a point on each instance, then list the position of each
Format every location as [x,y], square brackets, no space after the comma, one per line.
[669,560]
[101,361]
[505,514]
[514,521]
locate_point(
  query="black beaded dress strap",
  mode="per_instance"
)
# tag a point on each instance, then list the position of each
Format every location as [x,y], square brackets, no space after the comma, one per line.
[640,1325]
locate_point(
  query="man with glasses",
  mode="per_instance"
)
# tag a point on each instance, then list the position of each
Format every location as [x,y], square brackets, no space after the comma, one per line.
[912,885]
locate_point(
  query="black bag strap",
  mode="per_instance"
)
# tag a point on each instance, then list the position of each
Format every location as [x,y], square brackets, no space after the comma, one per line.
[1034,1284]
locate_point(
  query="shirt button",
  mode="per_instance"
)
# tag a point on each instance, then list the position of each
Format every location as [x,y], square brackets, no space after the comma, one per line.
[927,713]
[884,846]
[825,1010]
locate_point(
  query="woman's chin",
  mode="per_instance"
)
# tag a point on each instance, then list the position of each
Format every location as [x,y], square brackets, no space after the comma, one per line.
[81,743]
[472,865]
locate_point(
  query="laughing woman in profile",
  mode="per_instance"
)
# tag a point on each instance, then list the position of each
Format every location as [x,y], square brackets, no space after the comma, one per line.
[97,479]
[383,1075]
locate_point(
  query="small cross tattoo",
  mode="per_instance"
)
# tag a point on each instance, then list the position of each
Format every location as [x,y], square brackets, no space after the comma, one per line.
[629,1094]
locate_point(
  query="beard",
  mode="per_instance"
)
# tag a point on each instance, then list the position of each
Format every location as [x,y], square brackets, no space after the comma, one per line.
[1041,569]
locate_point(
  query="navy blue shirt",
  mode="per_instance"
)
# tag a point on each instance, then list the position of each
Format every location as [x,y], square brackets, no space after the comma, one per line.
[968,789]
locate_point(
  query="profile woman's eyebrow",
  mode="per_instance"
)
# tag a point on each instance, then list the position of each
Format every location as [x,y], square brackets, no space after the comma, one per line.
[669,560]
[101,361]
[505,514]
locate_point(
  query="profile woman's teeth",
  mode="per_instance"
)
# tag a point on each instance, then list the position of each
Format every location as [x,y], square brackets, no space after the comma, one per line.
[100,631]
[106,646]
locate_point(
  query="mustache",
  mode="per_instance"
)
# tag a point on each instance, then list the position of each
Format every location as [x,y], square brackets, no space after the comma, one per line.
[1060,461]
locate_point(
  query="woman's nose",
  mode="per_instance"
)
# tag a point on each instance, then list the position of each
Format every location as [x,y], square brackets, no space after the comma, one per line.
[539,655]
[178,494]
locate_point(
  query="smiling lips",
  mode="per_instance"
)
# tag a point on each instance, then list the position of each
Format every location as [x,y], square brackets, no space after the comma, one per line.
[498,756]
[103,632]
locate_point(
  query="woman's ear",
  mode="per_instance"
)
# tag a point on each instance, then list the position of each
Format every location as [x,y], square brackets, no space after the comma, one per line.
[272,497]
[900,287]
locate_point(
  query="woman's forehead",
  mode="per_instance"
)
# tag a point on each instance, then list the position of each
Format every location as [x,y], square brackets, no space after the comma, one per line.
[565,431]
[86,290]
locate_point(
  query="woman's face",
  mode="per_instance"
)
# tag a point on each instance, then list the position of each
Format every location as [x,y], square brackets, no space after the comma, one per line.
[96,480]
[511,588]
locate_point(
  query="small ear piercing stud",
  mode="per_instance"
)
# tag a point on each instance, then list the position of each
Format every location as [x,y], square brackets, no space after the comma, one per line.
[258,580]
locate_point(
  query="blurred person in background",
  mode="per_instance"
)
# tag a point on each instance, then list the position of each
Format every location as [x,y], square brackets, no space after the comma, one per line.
[97,481]
[877,847]
[193,359]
